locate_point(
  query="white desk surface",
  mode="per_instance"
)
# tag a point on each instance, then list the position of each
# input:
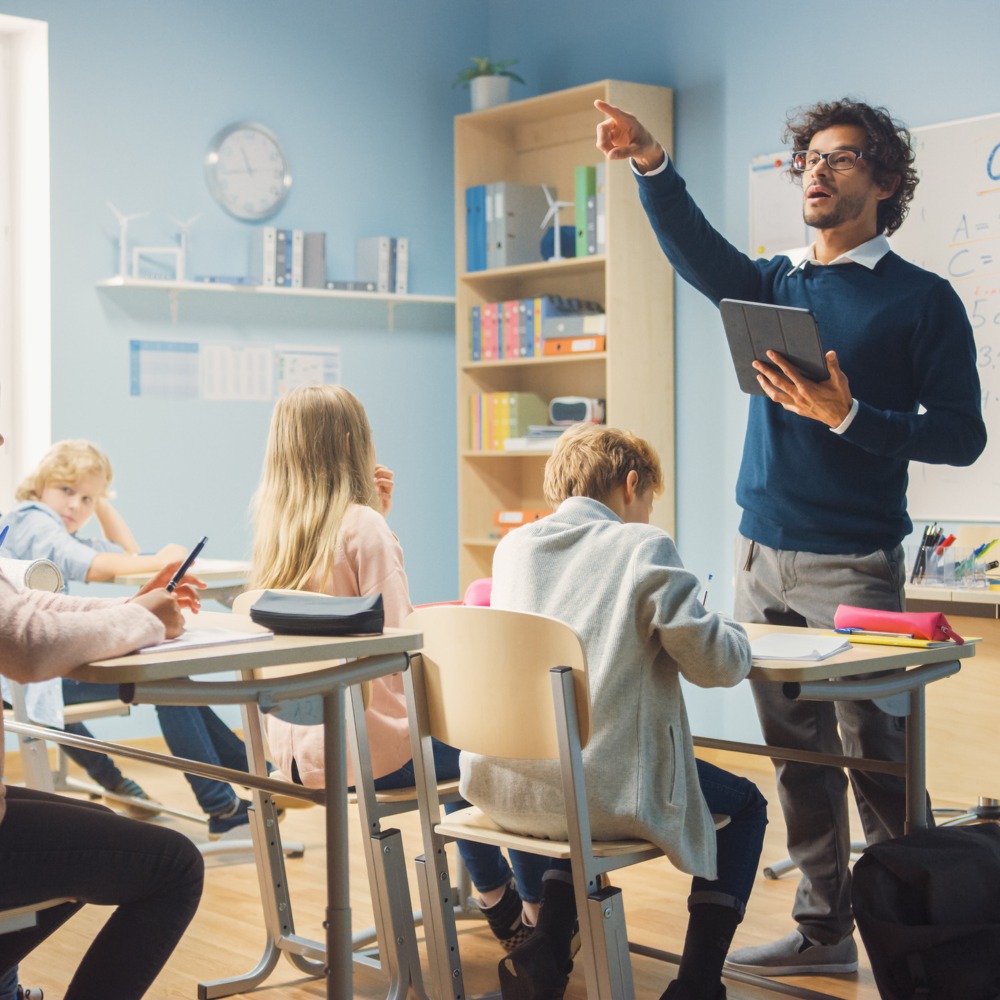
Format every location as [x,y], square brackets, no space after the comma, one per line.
[953,595]
[859,659]
[280,650]
[209,570]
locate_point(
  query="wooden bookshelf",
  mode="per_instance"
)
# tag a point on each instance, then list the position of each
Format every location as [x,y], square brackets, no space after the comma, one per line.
[542,140]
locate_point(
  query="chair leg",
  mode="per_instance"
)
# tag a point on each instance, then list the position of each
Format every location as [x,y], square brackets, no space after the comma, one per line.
[605,951]
[394,924]
[437,902]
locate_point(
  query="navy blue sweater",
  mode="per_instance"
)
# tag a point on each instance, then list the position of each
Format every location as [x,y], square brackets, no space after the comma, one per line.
[903,340]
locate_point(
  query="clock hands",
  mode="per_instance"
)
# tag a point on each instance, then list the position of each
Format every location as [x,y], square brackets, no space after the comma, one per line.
[246,159]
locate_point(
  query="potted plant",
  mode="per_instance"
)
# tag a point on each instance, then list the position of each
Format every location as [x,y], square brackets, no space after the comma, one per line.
[488,81]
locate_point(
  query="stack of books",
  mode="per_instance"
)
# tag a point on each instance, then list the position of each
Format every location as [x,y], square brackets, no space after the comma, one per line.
[539,437]
[495,417]
[529,328]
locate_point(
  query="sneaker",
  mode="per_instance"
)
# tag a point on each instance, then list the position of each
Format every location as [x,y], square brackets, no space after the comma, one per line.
[796,955]
[235,817]
[30,993]
[125,793]
[506,920]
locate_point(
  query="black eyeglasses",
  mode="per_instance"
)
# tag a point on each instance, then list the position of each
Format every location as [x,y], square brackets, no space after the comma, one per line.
[837,159]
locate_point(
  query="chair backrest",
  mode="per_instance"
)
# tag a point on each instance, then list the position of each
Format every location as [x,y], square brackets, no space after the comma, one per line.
[487,679]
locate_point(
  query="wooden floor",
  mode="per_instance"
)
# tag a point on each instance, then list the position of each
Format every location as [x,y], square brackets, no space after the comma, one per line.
[226,935]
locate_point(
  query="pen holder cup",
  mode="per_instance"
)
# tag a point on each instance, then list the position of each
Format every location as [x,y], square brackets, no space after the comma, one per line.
[970,572]
[928,569]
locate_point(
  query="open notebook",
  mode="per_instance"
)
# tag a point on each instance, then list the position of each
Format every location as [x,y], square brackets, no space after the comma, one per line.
[789,646]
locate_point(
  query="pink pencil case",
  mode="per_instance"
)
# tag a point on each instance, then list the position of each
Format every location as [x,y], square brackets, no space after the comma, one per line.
[931,625]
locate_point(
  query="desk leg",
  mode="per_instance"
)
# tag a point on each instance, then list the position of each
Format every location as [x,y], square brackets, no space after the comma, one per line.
[916,762]
[339,964]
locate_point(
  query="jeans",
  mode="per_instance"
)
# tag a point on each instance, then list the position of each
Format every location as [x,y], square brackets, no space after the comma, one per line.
[487,866]
[8,984]
[194,732]
[51,846]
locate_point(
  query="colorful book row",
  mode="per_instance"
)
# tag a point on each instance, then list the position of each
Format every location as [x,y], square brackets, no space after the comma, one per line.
[523,328]
[496,416]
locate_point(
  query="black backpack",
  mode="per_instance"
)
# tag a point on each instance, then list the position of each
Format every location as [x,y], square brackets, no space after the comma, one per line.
[928,909]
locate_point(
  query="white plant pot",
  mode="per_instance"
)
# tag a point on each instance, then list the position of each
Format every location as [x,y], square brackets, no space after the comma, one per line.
[488,91]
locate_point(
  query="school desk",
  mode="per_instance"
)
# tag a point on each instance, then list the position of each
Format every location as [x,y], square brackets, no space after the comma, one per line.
[226,578]
[162,678]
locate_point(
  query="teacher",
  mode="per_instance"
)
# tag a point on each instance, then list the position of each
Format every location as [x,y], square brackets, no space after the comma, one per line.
[822,484]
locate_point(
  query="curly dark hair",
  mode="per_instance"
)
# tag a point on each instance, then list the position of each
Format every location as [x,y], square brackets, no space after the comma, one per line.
[888,148]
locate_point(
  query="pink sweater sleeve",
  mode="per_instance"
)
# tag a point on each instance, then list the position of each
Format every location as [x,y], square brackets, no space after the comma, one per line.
[47,635]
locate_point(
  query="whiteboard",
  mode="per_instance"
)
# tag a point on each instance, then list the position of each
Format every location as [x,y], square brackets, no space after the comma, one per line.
[953,228]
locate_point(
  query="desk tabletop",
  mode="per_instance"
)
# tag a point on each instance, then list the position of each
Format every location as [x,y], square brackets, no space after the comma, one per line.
[859,659]
[209,570]
[280,650]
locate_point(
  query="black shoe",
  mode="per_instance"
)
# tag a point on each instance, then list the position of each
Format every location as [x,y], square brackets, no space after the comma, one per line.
[539,968]
[506,920]
[678,991]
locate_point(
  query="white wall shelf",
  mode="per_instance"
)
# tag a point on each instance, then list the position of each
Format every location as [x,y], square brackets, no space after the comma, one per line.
[175,290]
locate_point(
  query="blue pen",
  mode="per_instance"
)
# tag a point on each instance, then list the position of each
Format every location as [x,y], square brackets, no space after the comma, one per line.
[186,565]
[3,534]
[865,631]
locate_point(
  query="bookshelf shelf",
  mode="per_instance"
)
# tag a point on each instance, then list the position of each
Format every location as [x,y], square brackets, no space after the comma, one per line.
[542,140]
[176,290]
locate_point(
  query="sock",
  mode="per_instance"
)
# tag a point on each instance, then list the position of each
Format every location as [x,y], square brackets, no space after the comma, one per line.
[709,934]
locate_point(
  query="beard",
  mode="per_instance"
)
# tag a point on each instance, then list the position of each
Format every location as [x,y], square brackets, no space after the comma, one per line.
[847,208]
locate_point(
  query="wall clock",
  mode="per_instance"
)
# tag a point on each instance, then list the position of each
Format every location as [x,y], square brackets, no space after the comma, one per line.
[247,171]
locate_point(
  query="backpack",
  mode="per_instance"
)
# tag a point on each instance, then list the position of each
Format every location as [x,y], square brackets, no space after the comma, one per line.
[927,906]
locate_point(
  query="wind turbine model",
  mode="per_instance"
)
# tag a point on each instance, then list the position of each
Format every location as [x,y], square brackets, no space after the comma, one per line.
[553,215]
[123,221]
[184,237]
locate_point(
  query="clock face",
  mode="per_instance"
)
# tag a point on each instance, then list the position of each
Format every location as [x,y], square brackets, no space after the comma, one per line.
[246,171]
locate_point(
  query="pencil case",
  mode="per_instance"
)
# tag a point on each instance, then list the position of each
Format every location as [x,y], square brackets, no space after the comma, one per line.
[931,625]
[319,614]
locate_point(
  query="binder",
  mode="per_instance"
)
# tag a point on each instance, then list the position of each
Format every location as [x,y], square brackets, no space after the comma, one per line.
[283,258]
[314,260]
[585,187]
[475,334]
[574,325]
[263,244]
[518,210]
[600,202]
[572,345]
[475,228]
[372,261]
[298,252]
[511,328]
[401,279]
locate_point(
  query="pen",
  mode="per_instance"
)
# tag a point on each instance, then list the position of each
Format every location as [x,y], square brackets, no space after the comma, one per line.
[704,597]
[3,534]
[989,566]
[186,565]
[945,544]
[865,631]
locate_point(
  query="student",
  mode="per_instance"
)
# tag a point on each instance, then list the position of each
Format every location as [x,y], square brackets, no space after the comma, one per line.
[70,485]
[320,525]
[51,846]
[598,565]
[823,480]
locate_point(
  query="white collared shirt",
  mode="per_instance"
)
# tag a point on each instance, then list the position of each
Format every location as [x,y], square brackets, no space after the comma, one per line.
[868,254]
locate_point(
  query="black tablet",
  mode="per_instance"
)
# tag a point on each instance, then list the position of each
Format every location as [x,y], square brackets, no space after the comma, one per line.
[754,328]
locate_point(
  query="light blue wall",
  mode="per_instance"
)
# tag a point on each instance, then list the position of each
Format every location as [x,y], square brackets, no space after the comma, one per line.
[360,95]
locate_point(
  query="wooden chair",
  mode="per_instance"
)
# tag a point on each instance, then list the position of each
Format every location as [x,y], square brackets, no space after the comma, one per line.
[511,684]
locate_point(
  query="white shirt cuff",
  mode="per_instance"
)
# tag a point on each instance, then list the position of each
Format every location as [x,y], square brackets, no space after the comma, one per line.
[848,420]
[656,170]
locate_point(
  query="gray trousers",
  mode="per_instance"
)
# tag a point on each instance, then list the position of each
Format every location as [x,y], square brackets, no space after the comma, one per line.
[780,587]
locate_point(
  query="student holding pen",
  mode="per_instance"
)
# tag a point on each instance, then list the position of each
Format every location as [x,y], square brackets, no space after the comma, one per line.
[822,485]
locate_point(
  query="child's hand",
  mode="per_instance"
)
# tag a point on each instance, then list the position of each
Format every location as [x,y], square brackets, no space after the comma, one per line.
[165,606]
[187,596]
[384,486]
[172,554]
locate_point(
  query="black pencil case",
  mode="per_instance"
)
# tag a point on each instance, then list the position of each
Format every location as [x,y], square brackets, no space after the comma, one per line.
[319,614]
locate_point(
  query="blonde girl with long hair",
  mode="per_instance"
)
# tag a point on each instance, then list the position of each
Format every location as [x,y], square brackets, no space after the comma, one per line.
[320,525]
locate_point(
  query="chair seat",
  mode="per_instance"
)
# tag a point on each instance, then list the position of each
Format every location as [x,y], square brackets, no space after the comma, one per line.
[19,918]
[473,824]
[95,710]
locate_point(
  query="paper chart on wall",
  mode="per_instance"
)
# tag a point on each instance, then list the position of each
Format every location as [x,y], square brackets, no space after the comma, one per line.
[298,366]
